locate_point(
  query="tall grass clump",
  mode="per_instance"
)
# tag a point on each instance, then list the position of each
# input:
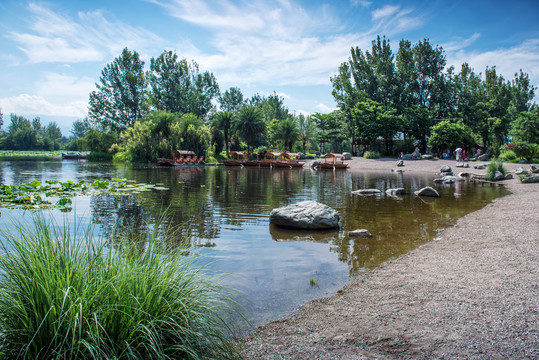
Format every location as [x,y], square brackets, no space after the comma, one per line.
[66,295]
[371,155]
[493,167]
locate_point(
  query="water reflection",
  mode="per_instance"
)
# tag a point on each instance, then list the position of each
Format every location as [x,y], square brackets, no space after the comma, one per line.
[229,207]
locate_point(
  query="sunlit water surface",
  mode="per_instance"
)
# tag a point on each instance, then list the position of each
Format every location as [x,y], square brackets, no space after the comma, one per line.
[228,209]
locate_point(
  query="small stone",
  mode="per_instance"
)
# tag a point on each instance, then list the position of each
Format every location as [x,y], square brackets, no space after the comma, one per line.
[366,192]
[427,191]
[397,191]
[530,179]
[397,170]
[361,233]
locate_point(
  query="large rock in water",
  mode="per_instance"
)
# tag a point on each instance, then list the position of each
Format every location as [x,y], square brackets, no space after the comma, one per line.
[309,215]
[427,191]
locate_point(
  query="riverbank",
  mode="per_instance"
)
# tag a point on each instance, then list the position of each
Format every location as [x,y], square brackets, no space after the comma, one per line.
[472,293]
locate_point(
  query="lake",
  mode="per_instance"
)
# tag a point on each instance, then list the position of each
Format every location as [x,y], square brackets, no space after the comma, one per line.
[226,211]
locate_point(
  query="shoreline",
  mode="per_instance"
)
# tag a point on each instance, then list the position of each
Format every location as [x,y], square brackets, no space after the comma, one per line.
[473,292]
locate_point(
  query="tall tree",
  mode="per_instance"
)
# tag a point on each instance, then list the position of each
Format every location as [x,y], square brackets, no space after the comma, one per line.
[288,132]
[120,97]
[179,86]
[231,100]
[306,130]
[249,123]
[328,129]
[224,121]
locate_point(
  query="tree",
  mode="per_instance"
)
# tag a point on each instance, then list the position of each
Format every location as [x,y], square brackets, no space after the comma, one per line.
[178,86]
[224,121]
[450,135]
[417,123]
[120,98]
[24,134]
[306,130]
[1,118]
[249,123]
[52,137]
[525,127]
[327,128]
[79,128]
[231,100]
[287,132]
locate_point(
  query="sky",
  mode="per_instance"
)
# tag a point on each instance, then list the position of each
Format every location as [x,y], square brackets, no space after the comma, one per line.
[52,52]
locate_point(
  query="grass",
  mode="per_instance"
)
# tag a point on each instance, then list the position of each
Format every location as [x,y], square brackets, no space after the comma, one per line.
[493,167]
[16,155]
[65,295]
[371,155]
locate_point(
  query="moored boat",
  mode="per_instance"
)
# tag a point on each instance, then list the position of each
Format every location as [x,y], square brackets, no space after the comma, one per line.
[333,162]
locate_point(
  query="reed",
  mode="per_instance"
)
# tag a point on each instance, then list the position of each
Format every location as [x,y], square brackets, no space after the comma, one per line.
[66,295]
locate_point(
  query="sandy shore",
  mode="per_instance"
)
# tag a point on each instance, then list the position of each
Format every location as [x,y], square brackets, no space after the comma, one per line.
[472,293]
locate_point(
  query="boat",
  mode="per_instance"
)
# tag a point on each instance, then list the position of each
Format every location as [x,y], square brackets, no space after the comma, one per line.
[270,159]
[184,158]
[234,158]
[73,156]
[333,161]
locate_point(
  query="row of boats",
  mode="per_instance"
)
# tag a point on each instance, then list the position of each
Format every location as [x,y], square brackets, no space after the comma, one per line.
[285,160]
[267,160]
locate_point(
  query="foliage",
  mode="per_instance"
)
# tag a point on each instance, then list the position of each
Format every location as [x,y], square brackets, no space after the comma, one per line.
[450,135]
[249,123]
[371,155]
[66,295]
[287,132]
[526,150]
[526,127]
[58,194]
[24,134]
[306,131]
[121,96]
[507,155]
[231,100]
[327,129]
[179,87]
[224,121]
[9,154]
[493,167]
[97,140]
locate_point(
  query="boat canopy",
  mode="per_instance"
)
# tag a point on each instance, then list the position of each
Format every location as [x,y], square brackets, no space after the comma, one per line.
[234,155]
[184,153]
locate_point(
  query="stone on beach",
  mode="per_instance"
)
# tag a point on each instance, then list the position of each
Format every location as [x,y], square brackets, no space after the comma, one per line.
[308,215]
[397,191]
[366,192]
[362,233]
[427,191]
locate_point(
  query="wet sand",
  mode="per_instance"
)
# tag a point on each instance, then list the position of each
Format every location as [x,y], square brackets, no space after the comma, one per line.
[472,293]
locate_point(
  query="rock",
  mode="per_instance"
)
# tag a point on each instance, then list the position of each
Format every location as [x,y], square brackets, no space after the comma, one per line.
[521,171]
[397,191]
[438,181]
[310,215]
[446,169]
[509,176]
[464,174]
[498,175]
[480,166]
[367,192]
[530,179]
[400,163]
[397,170]
[535,169]
[483,157]
[522,161]
[346,156]
[455,178]
[407,157]
[459,164]
[449,179]
[362,233]
[427,191]
[314,164]
[427,157]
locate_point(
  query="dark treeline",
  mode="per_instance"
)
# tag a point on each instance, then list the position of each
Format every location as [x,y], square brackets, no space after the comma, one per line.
[388,102]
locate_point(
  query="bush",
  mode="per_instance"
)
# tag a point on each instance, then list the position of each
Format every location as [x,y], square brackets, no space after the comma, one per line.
[493,167]
[507,155]
[371,155]
[65,295]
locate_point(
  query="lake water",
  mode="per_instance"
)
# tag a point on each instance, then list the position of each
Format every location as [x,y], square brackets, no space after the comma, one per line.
[228,209]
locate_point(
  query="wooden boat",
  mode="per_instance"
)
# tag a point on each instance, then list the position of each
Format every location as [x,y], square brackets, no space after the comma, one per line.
[73,156]
[234,158]
[333,161]
[182,158]
[276,159]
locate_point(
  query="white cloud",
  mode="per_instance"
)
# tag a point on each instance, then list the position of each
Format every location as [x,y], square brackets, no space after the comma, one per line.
[64,87]
[391,19]
[32,104]
[324,108]
[89,37]
[362,3]
[508,61]
[459,44]
[384,12]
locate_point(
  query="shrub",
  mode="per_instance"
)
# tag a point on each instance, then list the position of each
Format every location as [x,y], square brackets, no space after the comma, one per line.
[65,295]
[507,155]
[493,167]
[371,155]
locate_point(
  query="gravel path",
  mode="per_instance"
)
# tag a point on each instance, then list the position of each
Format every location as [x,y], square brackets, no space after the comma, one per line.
[472,293]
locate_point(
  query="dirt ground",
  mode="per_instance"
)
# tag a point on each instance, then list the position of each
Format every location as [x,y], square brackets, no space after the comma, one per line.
[472,293]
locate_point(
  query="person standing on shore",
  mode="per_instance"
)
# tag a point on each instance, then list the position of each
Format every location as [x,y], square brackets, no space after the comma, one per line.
[458,152]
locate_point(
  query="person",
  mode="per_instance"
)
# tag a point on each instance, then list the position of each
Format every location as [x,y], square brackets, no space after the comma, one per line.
[458,153]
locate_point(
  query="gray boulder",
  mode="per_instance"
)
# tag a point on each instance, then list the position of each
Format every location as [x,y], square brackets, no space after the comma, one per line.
[309,215]
[362,233]
[446,169]
[498,175]
[397,191]
[522,161]
[400,163]
[535,169]
[531,179]
[521,171]
[427,191]
[509,176]
[397,170]
[480,166]
[438,181]
[483,157]
[407,157]
[346,156]
[366,192]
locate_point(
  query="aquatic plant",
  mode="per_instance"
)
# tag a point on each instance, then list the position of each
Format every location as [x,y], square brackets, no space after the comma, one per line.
[493,167]
[67,295]
[35,195]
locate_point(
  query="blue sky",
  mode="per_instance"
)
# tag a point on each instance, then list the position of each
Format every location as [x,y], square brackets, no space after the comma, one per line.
[52,53]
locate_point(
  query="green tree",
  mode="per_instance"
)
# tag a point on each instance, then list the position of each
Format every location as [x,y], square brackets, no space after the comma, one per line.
[224,120]
[52,137]
[24,134]
[178,86]
[525,127]
[306,130]
[327,129]
[249,123]
[231,100]
[373,120]
[450,135]
[417,123]
[287,132]
[121,96]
